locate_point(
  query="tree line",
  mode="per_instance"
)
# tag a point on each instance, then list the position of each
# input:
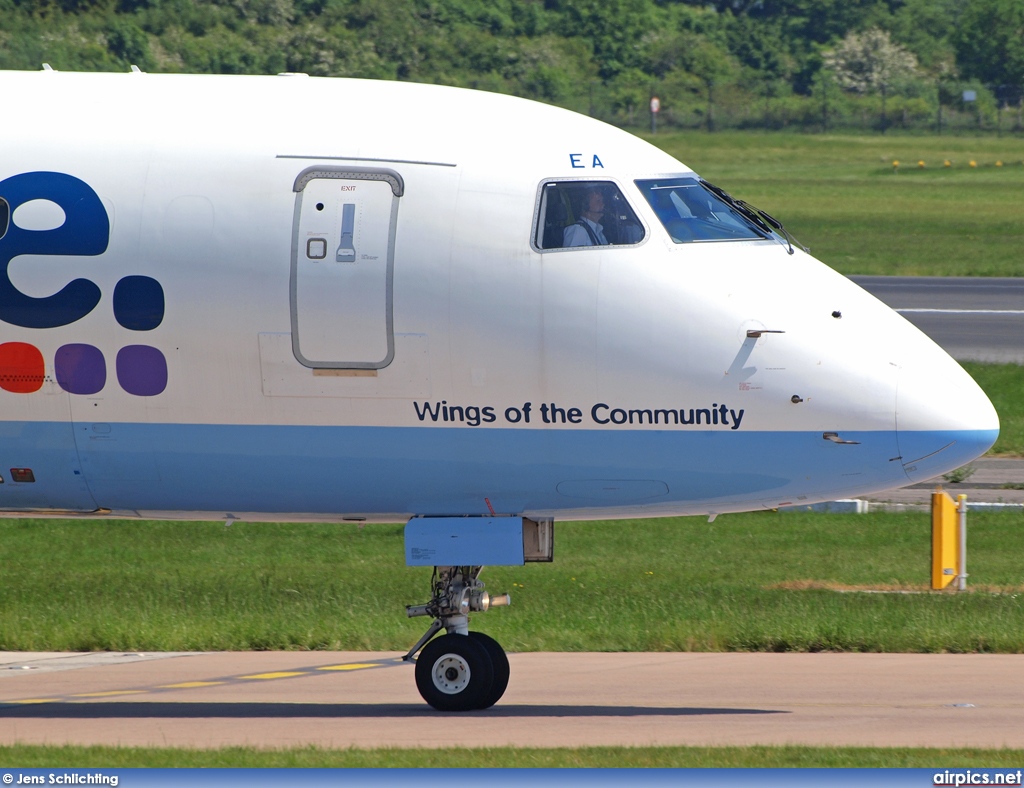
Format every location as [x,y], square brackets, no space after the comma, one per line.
[805,63]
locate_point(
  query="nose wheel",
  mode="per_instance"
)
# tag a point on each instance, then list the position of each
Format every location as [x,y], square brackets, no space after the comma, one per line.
[500,664]
[458,672]
[462,670]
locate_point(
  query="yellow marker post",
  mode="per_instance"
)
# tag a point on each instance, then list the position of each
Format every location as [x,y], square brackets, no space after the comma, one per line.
[945,545]
[961,508]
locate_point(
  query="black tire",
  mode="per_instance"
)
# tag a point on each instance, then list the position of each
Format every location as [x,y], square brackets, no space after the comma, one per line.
[500,664]
[455,673]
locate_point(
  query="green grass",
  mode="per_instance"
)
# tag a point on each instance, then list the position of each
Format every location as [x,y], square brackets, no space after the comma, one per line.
[840,196]
[1004,384]
[34,757]
[752,582]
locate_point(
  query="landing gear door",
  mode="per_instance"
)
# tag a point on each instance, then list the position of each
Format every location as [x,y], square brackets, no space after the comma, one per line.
[342,267]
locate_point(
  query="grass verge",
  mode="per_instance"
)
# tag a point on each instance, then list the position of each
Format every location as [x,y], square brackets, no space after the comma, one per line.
[841,196]
[23,756]
[1003,383]
[679,584]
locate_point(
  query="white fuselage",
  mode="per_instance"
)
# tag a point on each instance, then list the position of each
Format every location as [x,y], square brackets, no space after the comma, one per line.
[356,320]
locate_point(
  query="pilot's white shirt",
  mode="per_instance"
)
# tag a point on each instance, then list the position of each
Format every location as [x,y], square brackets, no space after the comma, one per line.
[574,235]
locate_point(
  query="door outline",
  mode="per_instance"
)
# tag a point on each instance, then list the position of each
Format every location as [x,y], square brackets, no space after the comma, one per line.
[394,180]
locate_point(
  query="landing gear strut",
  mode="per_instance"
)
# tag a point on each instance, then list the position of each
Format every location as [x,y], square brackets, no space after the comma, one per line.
[461,670]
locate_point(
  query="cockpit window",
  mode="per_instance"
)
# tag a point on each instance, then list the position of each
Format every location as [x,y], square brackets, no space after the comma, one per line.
[693,211]
[585,213]
[5,215]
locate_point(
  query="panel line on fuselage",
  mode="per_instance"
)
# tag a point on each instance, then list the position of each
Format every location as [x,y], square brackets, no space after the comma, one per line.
[362,158]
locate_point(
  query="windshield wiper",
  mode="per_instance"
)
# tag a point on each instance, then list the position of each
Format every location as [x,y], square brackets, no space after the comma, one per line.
[763,220]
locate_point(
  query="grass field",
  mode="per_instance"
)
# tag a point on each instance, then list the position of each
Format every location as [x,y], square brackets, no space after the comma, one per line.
[753,582]
[505,757]
[1004,384]
[840,197]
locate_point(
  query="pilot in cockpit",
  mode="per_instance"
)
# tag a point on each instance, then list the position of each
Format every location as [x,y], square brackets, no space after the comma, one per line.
[587,230]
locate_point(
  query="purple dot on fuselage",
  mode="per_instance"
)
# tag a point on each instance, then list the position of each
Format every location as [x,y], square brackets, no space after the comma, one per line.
[141,370]
[80,369]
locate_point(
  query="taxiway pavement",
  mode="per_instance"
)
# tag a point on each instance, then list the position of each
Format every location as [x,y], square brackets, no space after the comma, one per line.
[972,318]
[361,699]
[991,480]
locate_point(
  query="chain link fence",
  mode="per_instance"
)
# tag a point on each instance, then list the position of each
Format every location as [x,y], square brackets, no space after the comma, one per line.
[945,108]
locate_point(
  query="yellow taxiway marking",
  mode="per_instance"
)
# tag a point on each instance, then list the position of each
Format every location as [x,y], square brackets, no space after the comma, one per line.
[108,694]
[282,674]
[353,666]
[34,700]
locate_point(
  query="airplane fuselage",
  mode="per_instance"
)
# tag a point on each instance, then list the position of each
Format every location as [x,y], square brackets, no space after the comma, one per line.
[295,298]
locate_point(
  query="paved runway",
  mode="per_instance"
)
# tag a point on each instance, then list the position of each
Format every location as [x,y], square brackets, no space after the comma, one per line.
[357,699]
[972,318]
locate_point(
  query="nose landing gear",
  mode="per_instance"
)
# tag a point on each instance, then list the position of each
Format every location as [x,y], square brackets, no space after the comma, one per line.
[461,670]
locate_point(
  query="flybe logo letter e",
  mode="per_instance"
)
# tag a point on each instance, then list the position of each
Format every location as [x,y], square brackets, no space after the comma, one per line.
[85,231]
[51,213]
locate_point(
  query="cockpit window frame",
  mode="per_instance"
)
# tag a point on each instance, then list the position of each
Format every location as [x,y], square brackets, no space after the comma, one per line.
[540,207]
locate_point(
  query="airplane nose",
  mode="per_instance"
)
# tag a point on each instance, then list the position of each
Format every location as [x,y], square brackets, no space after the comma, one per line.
[943,418]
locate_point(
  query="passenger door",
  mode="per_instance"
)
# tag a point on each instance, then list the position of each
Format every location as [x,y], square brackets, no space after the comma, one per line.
[343,267]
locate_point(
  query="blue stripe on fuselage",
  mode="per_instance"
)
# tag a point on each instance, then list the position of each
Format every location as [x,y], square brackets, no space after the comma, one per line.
[431,470]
